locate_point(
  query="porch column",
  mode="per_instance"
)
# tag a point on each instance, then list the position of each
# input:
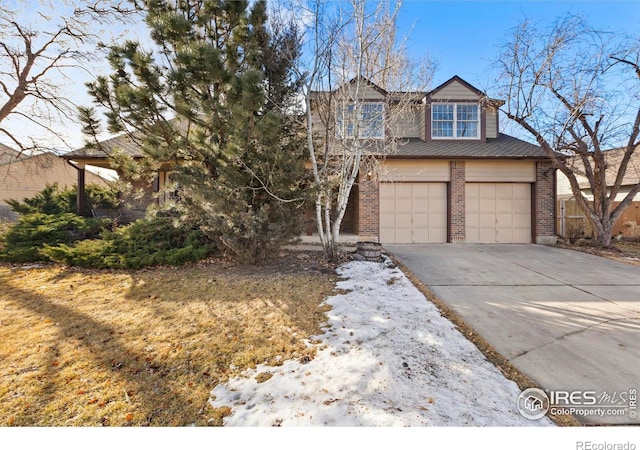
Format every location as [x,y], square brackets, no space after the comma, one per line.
[81,201]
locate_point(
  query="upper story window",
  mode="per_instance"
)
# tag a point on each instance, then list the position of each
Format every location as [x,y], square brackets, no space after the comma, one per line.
[455,121]
[362,121]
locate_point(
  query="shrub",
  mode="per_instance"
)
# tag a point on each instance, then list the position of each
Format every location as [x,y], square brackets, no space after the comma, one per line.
[146,242]
[52,200]
[24,241]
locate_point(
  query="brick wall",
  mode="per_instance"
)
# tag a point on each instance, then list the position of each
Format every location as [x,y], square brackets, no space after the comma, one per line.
[457,202]
[545,204]
[350,220]
[369,207]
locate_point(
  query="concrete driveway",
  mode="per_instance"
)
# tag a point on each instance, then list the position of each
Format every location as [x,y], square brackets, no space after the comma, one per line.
[568,320]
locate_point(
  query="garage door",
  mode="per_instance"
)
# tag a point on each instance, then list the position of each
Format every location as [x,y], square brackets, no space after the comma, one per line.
[413,213]
[498,212]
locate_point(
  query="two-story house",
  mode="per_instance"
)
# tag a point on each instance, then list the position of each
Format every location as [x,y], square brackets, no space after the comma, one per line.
[453,177]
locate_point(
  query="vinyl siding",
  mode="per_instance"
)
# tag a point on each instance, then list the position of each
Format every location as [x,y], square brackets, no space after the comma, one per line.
[455,91]
[408,124]
[491,123]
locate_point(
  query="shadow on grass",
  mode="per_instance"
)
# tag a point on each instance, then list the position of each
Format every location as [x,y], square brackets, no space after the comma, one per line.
[161,339]
[104,344]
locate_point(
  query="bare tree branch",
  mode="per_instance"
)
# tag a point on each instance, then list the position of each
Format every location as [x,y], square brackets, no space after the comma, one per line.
[560,86]
[38,49]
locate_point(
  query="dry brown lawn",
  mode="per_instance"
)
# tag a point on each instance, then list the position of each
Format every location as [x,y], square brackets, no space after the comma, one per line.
[117,348]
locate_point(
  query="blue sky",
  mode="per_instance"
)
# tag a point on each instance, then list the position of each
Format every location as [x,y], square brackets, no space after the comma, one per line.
[464,36]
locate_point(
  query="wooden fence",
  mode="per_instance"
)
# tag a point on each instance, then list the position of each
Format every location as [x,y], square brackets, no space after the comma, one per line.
[572,224]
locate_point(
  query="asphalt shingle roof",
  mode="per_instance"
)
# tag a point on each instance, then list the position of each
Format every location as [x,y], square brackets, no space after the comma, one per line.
[122,143]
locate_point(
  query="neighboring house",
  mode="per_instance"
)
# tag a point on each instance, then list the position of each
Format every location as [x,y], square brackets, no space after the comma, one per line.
[7,154]
[568,211]
[613,158]
[24,177]
[454,177]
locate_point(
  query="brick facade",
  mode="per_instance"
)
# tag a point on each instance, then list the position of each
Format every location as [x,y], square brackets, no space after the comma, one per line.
[457,223]
[368,207]
[545,203]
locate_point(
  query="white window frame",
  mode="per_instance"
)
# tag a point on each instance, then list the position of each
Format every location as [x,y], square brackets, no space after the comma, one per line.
[455,121]
[345,128]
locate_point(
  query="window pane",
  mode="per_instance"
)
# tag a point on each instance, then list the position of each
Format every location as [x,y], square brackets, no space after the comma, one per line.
[372,122]
[442,120]
[467,112]
[467,129]
[362,121]
[442,112]
[442,129]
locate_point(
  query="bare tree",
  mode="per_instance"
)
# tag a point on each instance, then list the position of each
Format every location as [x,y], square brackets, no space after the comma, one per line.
[360,85]
[42,46]
[570,87]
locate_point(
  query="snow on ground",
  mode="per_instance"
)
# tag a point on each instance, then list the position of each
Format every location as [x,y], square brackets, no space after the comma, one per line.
[387,358]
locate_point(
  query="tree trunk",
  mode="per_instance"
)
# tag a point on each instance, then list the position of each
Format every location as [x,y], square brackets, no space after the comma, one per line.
[602,231]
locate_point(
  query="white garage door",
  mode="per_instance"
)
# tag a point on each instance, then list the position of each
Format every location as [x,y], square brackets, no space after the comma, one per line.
[413,213]
[498,212]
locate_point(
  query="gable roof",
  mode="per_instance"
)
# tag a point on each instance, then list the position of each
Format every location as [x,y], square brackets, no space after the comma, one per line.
[504,146]
[414,96]
[453,79]
[488,101]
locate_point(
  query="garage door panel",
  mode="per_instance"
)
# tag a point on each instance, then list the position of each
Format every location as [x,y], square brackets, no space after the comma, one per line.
[522,221]
[487,204]
[498,212]
[403,221]
[421,235]
[522,191]
[504,205]
[487,190]
[522,234]
[387,204]
[420,221]
[403,205]
[420,205]
[419,212]
[504,236]
[504,220]
[387,191]
[472,221]
[387,234]
[403,190]
[487,235]
[522,207]
[503,191]
[387,220]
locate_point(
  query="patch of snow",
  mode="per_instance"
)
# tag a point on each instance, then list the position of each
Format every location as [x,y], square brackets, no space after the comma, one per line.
[387,358]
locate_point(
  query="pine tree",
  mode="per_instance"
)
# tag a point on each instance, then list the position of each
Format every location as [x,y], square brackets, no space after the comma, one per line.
[216,97]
